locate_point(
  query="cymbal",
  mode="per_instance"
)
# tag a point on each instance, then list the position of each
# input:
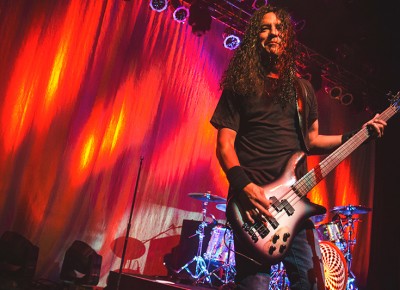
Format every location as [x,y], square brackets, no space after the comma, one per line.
[221,207]
[351,209]
[206,197]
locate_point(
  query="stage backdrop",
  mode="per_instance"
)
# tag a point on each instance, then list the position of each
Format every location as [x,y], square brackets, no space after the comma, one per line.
[100,98]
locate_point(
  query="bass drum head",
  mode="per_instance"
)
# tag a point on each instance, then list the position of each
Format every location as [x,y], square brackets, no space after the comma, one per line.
[335,266]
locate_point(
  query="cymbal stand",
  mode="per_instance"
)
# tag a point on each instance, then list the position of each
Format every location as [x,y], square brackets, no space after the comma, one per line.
[201,269]
[347,254]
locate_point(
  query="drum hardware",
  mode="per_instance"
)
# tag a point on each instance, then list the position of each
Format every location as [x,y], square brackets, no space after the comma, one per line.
[279,279]
[350,242]
[335,270]
[332,232]
[201,273]
[348,211]
[207,197]
[221,251]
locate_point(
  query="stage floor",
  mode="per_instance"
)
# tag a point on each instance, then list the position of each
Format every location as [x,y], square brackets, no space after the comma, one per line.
[140,282]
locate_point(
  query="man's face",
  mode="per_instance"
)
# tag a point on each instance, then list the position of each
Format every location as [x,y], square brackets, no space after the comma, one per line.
[271,34]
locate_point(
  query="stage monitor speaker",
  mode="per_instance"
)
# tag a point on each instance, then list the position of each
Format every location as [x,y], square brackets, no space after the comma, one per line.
[81,265]
[18,259]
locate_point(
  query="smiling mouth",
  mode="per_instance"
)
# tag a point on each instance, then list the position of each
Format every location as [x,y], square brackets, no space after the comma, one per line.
[270,44]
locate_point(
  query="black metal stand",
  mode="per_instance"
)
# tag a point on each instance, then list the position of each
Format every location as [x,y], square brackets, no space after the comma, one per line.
[129,224]
[201,269]
[351,285]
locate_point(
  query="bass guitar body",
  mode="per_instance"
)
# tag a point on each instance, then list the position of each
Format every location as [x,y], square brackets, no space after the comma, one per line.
[270,238]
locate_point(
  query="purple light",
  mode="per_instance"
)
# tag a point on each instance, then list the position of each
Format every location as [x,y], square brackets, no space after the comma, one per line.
[257,4]
[181,14]
[231,42]
[159,5]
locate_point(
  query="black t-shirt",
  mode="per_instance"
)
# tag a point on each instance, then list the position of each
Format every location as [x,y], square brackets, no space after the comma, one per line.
[267,134]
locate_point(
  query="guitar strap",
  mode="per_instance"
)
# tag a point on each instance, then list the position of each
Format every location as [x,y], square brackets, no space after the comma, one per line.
[302,92]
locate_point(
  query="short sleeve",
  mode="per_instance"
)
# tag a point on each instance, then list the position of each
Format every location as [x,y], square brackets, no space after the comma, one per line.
[227,112]
[312,103]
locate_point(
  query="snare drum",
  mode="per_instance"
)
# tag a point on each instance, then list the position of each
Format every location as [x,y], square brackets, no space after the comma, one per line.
[221,246]
[332,232]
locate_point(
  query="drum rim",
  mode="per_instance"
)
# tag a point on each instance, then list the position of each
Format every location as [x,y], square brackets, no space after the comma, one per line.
[322,227]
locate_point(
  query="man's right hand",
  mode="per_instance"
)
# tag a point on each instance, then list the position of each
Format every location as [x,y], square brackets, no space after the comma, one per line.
[254,202]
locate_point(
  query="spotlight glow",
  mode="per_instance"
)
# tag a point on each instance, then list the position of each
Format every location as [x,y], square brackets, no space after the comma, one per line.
[181,14]
[231,42]
[257,4]
[159,5]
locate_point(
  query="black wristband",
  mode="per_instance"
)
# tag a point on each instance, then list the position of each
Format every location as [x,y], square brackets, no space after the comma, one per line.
[348,135]
[237,178]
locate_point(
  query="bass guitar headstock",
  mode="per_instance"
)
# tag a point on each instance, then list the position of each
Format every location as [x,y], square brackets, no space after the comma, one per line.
[394,100]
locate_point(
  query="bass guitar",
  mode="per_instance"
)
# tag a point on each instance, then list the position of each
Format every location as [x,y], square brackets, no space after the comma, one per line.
[271,237]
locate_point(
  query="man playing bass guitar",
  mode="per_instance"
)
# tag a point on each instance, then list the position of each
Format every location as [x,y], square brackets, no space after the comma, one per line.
[265,116]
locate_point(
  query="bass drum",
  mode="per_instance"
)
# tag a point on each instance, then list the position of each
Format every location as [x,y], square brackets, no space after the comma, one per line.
[335,270]
[335,266]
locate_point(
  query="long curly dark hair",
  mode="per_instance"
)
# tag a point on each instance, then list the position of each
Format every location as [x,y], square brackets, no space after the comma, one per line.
[248,68]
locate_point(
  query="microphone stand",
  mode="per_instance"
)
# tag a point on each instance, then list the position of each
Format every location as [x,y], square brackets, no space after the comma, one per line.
[129,224]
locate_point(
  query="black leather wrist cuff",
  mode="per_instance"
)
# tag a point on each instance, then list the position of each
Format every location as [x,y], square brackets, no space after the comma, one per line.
[237,178]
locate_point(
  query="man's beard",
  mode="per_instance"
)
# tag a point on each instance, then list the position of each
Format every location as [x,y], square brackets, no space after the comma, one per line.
[269,60]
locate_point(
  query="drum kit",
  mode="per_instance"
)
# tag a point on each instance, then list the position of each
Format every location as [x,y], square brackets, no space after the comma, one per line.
[336,239]
[340,232]
[217,263]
